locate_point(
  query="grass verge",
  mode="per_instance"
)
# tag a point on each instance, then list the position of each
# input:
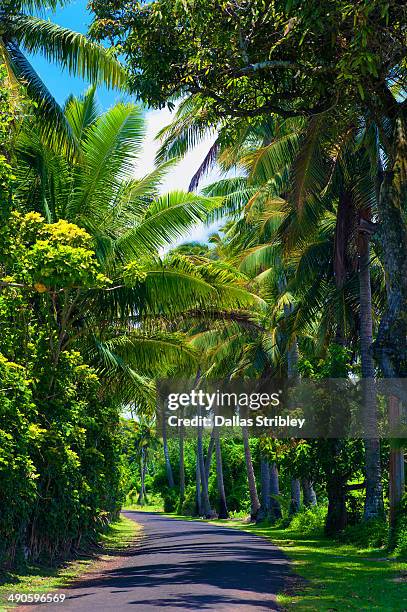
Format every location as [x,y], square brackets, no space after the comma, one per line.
[333,576]
[39,579]
[153,503]
[338,576]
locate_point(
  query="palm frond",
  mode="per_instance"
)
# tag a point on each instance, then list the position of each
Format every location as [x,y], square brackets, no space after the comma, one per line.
[165,220]
[110,151]
[269,161]
[73,51]
[52,122]
[308,168]
[260,258]
[188,128]
[82,112]
[123,382]
[207,165]
[153,354]
[40,5]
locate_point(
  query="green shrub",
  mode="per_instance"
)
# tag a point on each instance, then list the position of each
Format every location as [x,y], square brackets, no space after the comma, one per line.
[188,507]
[367,534]
[170,498]
[309,521]
[355,504]
[59,457]
[18,474]
[78,462]
[401,542]
[398,541]
[60,466]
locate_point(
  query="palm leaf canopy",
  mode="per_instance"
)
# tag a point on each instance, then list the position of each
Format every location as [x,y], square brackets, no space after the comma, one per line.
[22,32]
[125,329]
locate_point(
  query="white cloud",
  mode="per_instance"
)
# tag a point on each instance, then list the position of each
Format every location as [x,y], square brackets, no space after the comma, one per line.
[179,177]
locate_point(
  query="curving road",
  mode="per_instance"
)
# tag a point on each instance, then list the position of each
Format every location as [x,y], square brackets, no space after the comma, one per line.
[183,565]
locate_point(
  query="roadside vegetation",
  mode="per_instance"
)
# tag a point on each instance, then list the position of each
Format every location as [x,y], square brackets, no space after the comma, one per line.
[305,280]
[43,579]
[334,575]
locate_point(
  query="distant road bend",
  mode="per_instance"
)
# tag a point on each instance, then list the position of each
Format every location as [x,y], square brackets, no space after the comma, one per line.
[183,565]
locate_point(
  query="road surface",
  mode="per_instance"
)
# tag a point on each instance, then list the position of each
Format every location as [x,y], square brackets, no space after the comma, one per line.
[183,565]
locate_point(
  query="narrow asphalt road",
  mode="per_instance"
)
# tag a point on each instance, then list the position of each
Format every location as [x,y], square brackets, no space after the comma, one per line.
[183,565]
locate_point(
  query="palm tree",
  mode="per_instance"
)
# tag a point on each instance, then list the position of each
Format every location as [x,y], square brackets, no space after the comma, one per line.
[265,480]
[223,508]
[374,492]
[254,498]
[348,175]
[168,467]
[181,467]
[204,493]
[22,30]
[275,492]
[122,329]
[300,161]
[146,441]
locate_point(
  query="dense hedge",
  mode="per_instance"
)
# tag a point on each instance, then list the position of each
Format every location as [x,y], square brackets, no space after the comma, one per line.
[18,475]
[60,466]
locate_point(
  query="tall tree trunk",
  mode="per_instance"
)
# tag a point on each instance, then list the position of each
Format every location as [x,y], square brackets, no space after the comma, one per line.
[292,371]
[168,467]
[292,360]
[143,467]
[336,487]
[336,520]
[396,467]
[308,493]
[265,506]
[254,498]
[198,496]
[181,466]
[295,502]
[206,506]
[374,492]
[223,509]
[275,493]
[390,345]
[208,457]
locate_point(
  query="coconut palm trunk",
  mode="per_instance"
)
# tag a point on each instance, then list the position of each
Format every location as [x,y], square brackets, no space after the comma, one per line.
[292,372]
[396,467]
[374,493]
[143,469]
[275,493]
[208,458]
[206,506]
[308,493]
[265,488]
[223,509]
[390,345]
[181,465]
[295,502]
[198,497]
[254,498]
[168,467]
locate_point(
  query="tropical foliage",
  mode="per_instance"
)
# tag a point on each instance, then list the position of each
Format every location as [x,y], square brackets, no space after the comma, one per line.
[305,278]
[23,29]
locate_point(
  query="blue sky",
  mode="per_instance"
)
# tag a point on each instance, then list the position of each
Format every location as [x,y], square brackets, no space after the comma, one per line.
[61,84]
[76,17]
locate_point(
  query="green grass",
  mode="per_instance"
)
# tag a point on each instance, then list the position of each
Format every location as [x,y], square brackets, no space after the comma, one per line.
[337,576]
[154,504]
[333,576]
[40,579]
